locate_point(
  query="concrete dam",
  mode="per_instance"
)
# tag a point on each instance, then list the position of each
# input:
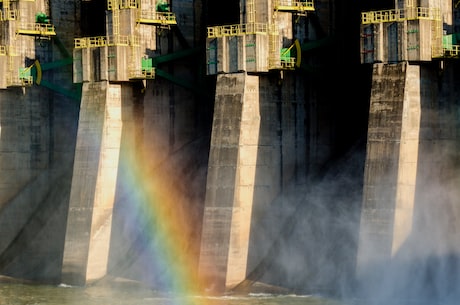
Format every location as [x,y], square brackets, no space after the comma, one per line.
[232,146]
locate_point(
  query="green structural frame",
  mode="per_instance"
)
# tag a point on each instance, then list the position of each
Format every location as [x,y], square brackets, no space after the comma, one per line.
[38,68]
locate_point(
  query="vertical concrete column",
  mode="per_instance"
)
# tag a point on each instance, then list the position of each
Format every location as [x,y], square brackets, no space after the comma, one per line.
[230,182]
[390,170]
[381,169]
[408,158]
[92,194]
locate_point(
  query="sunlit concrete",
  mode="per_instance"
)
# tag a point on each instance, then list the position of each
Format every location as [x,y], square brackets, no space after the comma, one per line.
[92,194]
[408,158]
[231,181]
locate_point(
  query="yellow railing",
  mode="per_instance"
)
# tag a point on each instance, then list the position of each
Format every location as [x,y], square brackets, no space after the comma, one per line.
[129,3]
[410,13]
[36,29]
[238,29]
[295,5]
[122,4]
[288,64]
[135,40]
[102,41]
[154,17]
[13,80]
[452,51]
[8,15]
[118,40]
[142,74]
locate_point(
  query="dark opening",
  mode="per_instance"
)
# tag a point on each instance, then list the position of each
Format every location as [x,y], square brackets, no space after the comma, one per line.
[93,17]
[366,5]
[222,12]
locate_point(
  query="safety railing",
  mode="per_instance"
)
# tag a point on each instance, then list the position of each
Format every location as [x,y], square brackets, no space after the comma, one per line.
[154,17]
[8,14]
[129,3]
[13,80]
[30,28]
[142,74]
[122,4]
[118,40]
[239,29]
[90,42]
[288,63]
[395,15]
[452,51]
[294,5]
[102,41]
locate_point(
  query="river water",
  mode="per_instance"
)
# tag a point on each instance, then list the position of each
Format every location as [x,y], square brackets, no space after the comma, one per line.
[129,294]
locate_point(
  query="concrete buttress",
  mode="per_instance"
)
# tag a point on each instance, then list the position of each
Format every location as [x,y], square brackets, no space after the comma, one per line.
[385,156]
[92,195]
[250,163]
[411,139]
[230,183]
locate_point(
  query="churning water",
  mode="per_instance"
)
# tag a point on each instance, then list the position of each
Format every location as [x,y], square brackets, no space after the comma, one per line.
[129,294]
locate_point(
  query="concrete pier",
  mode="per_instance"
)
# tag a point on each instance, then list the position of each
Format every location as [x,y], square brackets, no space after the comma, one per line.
[93,189]
[392,146]
[250,162]
[410,141]
[231,182]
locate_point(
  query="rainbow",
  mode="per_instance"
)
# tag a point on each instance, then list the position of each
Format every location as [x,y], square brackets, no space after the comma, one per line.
[162,224]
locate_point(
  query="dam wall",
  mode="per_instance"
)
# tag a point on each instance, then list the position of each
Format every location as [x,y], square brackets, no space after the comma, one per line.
[274,159]
[166,126]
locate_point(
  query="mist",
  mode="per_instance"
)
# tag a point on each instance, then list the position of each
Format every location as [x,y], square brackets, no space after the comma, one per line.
[313,248]
[425,268]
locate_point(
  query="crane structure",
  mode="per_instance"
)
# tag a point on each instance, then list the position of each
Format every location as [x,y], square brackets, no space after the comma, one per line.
[409,33]
[19,40]
[257,44]
[125,52]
